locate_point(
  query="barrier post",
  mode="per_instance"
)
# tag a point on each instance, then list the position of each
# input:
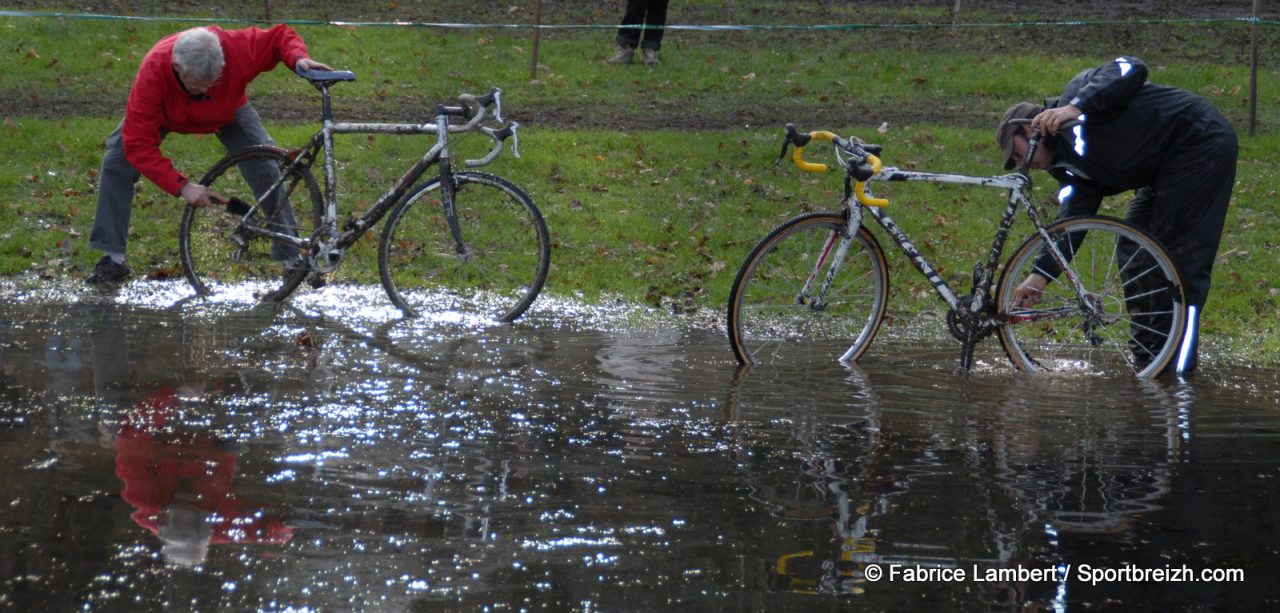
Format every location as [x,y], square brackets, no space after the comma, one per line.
[1253,71]
[537,37]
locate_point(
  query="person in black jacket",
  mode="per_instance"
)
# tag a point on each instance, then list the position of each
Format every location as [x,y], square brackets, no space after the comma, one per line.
[1170,146]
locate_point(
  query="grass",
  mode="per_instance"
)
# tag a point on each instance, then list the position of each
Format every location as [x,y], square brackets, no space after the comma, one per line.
[662,208]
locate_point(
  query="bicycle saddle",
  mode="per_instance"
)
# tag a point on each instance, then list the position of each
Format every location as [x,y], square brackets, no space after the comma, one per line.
[326,77]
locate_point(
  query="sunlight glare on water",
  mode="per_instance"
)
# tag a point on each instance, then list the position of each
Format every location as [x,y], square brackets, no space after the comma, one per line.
[330,454]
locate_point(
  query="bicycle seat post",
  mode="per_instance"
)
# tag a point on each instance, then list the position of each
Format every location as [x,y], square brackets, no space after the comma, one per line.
[326,109]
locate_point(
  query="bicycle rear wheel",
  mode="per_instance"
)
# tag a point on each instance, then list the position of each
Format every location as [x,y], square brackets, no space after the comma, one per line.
[500,266]
[770,322]
[1130,320]
[218,253]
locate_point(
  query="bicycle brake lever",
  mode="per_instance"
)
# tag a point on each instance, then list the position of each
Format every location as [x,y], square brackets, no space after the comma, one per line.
[789,133]
[862,170]
[515,139]
[497,106]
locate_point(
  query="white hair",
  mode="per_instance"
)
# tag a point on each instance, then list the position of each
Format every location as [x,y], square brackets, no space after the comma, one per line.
[198,54]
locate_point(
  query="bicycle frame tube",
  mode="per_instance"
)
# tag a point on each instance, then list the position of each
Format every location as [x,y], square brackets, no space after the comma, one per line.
[437,152]
[1014,183]
[1058,257]
[984,275]
[356,227]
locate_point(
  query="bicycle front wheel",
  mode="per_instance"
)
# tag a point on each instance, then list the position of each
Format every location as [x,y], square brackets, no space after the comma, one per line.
[220,252]
[1126,316]
[496,263]
[779,312]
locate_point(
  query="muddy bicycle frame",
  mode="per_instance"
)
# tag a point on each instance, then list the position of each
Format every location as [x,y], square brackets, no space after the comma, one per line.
[972,313]
[326,245]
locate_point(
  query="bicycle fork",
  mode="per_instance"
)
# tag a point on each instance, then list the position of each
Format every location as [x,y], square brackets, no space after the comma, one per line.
[840,239]
[448,190]
[839,242]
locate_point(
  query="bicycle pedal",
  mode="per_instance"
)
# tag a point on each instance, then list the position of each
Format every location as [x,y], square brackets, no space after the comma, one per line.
[241,237]
[317,281]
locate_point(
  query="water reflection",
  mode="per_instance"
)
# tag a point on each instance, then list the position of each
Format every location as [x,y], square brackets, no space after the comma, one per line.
[182,483]
[267,458]
[995,476]
[1101,466]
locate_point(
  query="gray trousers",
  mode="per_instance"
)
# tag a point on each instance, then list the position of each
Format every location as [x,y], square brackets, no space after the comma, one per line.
[117,178]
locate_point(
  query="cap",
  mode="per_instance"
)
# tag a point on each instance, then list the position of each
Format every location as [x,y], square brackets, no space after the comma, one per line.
[1006,130]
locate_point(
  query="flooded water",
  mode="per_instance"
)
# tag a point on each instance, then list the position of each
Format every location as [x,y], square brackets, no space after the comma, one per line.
[328,455]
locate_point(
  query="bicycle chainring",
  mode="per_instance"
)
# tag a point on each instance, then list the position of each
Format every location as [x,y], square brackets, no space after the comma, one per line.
[957,325]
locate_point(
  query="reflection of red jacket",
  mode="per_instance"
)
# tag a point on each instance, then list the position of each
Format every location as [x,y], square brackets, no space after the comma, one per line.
[158,101]
[155,465]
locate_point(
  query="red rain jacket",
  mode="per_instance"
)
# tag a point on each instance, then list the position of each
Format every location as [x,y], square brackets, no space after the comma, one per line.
[158,102]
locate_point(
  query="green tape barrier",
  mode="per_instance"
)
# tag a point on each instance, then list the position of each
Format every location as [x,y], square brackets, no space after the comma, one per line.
[614,26]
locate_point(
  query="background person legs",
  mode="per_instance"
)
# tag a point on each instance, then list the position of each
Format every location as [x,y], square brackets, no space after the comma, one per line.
[653,15]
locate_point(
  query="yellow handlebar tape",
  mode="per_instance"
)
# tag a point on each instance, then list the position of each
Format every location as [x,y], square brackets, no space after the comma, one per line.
[859,190]
[798,156]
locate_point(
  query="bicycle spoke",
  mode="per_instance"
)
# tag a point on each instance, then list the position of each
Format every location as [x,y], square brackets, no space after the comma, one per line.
[222,251]
[1125,317]
[504,264]
[768,322]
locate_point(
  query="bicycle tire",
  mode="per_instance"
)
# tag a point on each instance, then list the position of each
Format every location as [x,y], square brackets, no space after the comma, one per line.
[1135,333]
[504,260]
[766,323]
[211,258]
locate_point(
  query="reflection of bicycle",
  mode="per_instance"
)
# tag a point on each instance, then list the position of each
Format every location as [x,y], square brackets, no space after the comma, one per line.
[824,470]
[474,233]
[815,288]
[1103,468]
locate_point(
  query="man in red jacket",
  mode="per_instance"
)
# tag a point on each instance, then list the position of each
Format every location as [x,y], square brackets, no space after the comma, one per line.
[192,82]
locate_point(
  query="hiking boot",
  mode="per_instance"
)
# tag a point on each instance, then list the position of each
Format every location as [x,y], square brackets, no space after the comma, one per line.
[107,271]
[651,57]
[623,56]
